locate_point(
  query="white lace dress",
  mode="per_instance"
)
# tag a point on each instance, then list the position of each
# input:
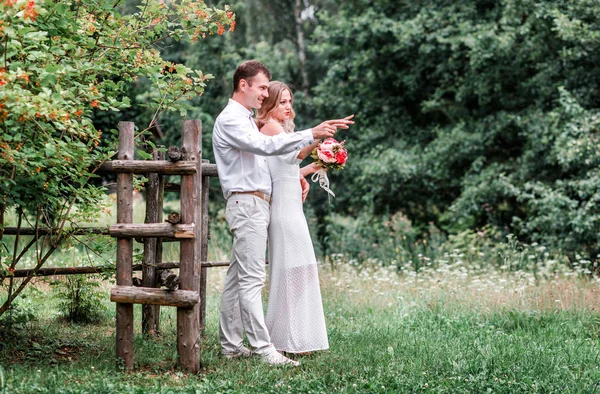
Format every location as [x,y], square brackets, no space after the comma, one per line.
[295,317]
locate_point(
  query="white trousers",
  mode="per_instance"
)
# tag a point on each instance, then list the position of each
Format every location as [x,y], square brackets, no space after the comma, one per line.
[241,302]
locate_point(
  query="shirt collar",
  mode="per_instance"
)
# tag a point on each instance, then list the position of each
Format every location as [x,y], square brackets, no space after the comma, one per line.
[240,108]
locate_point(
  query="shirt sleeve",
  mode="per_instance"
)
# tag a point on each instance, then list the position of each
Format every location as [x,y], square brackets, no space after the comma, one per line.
[240,134]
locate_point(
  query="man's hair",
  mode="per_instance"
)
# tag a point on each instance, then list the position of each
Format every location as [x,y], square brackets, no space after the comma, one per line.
[248,70]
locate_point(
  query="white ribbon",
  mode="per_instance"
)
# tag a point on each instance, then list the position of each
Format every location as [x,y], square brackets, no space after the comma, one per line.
[321,176]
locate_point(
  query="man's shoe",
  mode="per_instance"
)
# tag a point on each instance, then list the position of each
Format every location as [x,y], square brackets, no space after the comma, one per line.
[242,351]
[277,358]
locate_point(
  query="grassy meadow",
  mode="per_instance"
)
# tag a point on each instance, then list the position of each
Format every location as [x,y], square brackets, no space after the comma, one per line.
[441,331]
[451,326]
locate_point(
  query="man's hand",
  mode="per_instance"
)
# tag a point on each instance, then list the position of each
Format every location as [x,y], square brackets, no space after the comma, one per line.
[328,128]
[305,188]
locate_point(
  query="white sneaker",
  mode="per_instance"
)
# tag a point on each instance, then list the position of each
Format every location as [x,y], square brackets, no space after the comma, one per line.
[277,358]
[242,351]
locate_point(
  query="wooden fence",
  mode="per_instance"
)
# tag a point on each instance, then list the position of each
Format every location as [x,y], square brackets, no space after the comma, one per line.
[189,227]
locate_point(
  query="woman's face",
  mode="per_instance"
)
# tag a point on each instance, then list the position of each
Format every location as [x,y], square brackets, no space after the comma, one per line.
[284,107]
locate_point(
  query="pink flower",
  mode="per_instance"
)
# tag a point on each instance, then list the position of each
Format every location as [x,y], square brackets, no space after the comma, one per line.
[326,155]
[341,157]
[331,154]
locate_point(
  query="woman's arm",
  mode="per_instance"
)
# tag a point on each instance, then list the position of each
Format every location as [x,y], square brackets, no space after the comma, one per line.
[307,150]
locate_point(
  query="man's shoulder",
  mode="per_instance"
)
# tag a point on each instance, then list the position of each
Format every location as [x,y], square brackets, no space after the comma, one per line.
[229,116]
[224,113]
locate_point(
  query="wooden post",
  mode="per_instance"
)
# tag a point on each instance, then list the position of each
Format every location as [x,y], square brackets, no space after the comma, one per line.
[124,330]
[149,258]
[159,248]
[188,333]
[203,250]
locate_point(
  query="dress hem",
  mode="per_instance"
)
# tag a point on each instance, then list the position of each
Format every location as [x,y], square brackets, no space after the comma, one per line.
[302,351]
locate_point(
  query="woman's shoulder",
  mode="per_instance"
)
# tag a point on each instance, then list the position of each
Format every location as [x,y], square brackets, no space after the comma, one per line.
[272,128]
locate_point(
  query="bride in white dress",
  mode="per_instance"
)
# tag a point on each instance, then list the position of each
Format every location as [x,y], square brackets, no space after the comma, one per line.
[295,317]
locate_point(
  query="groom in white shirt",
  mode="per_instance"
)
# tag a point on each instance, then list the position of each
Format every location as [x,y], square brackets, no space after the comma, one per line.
[244,176]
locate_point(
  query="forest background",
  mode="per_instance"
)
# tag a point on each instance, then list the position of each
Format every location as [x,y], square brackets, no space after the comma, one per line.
[474,120]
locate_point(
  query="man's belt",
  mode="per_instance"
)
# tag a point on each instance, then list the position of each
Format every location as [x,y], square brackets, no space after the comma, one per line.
[256,193]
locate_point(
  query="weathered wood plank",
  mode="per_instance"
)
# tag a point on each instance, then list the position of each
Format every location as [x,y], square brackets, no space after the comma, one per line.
[147,166]
[203,251]
[45,231]
[149,258]
[162,179]
[124,326]
[59,271]
[152,296]
[141,230]
[209,170]
[188,333]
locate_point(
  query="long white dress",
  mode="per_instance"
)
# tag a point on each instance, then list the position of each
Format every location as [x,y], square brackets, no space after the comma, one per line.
[295,317]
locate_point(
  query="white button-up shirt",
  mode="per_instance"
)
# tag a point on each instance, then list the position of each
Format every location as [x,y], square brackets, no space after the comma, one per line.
[239,149]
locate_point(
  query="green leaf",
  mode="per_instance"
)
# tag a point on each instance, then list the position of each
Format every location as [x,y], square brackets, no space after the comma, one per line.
[50,149]
[145,155]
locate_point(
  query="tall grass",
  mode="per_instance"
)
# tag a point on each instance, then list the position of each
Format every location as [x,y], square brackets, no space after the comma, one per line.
[436,330]
[394,241]
[458,316]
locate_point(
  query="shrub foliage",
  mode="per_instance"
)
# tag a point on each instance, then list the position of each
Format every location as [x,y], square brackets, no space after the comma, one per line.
[63,62]
[471,113]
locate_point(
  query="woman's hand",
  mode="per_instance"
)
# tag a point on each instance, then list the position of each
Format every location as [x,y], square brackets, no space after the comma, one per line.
[310,169]
[305,188]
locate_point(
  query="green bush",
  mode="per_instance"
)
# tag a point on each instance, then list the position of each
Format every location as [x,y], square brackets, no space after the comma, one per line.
[80,299]
[20,314]
[469,113]
[389,240]
[64,65]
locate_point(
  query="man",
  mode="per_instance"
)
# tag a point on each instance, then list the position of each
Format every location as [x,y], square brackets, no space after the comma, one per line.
[246,184]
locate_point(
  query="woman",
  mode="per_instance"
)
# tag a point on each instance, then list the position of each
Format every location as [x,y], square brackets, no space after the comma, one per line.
[295,317]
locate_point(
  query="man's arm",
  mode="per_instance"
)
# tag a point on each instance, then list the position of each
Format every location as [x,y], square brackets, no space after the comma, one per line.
[328,128]
[240,134]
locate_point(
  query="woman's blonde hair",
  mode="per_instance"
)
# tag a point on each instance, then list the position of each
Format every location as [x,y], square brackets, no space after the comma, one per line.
[270,106]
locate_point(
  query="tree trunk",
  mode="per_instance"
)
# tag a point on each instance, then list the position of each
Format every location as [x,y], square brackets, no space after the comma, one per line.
[149,260]
[301,46]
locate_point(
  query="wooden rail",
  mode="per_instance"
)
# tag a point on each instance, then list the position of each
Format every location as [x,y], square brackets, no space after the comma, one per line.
[151,296]
[164,167]
[46,231]
[89,270]
[145,166]
[144,230]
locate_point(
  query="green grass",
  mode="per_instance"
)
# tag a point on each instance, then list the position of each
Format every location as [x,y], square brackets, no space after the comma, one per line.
[454,333]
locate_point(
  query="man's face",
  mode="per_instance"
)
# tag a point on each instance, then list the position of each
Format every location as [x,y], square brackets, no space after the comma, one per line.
[255,90]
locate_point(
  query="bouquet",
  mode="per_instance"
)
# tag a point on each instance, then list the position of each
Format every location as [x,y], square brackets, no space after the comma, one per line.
[328,154]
